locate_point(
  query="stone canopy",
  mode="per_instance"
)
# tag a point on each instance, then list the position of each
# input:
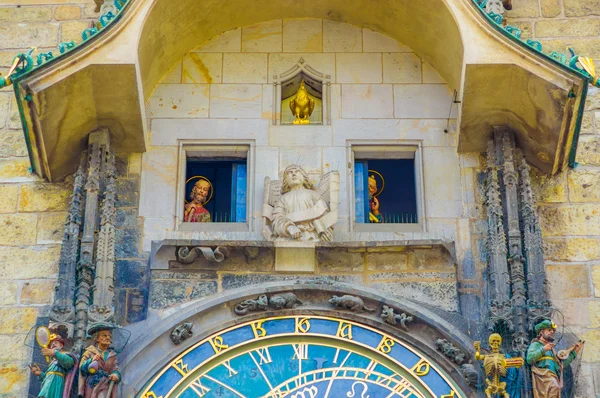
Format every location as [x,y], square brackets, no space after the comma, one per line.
[106,81]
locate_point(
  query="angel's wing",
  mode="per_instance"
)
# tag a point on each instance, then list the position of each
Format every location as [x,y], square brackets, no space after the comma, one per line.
[324,187]
[328,188]
[274,192]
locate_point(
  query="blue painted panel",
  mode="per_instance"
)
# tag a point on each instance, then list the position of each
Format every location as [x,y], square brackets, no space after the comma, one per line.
[198,355]
[366,336]
[237,336]
[248,380]
[239,184]
[279,326]
[404,356]
[323,326]
[436,383]
[210,389]
[275,363]
[164,384]
[360,191]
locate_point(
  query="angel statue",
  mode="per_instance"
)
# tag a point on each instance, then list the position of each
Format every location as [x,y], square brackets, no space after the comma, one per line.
[295,210]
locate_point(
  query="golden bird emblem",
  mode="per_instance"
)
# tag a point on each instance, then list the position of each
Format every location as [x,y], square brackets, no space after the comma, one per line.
[302,105]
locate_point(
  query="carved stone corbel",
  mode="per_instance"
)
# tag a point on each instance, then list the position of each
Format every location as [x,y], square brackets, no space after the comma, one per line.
[262,303]
[389,316]
[352,303]
[187,255]
[182,332]
[451,352]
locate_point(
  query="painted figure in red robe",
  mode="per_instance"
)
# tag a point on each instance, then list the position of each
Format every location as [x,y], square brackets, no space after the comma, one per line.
[195,211]
[99,369]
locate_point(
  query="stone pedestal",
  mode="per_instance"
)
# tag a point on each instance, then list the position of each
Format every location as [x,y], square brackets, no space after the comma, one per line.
[295,256]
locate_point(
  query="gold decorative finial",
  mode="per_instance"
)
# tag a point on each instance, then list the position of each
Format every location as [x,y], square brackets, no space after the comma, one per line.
[588,65]
[302,105]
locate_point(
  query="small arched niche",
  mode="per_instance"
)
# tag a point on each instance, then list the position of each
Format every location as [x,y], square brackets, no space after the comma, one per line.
[305,84]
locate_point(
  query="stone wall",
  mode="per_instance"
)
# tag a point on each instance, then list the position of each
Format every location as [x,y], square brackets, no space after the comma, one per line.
[425,273]
[381,93]
[569,203]
[32,212]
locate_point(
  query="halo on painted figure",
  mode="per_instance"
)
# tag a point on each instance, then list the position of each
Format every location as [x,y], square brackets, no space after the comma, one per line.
[204,179]
[374,173]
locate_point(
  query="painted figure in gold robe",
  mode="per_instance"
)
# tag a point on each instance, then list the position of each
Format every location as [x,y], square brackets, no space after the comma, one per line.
[374,215]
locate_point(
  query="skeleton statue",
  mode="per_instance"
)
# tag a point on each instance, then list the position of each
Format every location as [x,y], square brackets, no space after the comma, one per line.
[294,209]
[495,365]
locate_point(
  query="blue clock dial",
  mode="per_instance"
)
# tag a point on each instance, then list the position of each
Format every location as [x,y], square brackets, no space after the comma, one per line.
[301,357]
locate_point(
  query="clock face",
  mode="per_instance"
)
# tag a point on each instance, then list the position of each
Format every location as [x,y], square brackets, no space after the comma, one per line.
[301,357]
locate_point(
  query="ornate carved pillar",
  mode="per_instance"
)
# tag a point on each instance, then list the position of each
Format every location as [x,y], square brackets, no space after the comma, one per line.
[538,304]
[505,140]
[62,314]
[514,243]
[86,274]
[102,309]
[499,279]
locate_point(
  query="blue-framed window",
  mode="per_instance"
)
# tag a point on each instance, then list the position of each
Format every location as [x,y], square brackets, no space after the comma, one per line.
[226,182]
[385,191]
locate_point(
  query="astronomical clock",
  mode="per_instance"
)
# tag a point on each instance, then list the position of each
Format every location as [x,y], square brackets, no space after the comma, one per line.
[301,357]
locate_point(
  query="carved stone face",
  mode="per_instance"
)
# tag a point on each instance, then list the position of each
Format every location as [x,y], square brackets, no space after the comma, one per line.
[548,334]
[495,341]
[104,339]
[200,191]
[56,345]
[294,178]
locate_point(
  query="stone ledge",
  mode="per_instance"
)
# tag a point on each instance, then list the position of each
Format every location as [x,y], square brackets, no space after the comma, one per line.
[163,253]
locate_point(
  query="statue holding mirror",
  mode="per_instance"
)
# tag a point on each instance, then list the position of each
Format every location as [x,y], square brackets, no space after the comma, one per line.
[57,380]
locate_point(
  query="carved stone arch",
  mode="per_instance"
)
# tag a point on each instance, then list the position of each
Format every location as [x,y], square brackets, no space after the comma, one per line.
[153,350]
[301,68]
